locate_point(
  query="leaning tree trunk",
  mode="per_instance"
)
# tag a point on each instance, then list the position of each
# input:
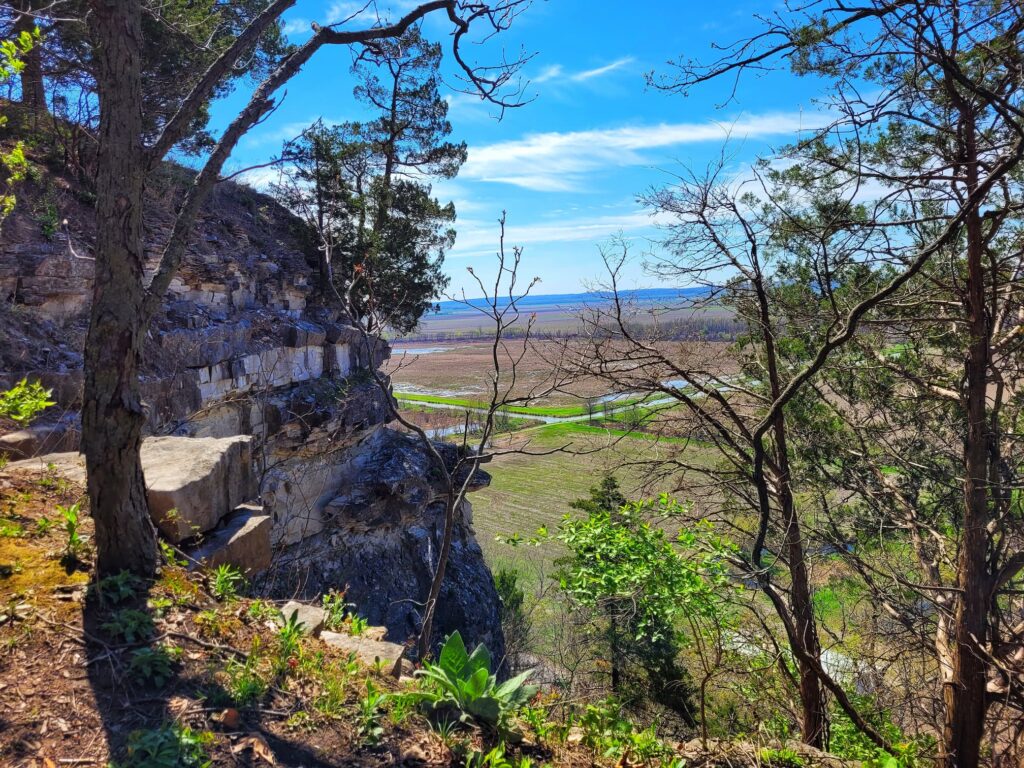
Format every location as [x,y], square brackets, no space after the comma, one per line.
[964,693]
[112,414]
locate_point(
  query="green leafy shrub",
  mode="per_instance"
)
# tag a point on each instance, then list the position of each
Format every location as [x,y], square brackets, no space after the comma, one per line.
[848,741]
[461,686]
[154,666]
[607,732]
[225,582]
[75,542]
[24,401]
[784,757]
[245,684]
[112,590]
[130,625]
[170,746]
[369,727]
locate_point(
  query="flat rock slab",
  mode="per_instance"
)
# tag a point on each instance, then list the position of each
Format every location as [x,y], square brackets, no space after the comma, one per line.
[366,650]
[244,542]
[310,616]
[191,482]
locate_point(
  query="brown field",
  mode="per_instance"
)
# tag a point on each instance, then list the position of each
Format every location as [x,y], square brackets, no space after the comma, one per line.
[461,369]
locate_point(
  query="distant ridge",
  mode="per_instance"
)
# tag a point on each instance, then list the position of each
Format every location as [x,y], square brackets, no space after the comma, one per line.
[564,301]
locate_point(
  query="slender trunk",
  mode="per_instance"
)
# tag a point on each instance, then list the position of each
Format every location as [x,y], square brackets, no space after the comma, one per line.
[33,92]
[964,693]
[813,715]
[430,608]
[813,719]
[112,415]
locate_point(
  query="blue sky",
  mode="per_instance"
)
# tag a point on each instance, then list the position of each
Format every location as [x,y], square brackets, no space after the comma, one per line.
[568,166]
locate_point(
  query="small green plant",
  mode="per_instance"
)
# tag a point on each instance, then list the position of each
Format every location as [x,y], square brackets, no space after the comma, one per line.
[75,543]
[113,590]
[461,686]
[154,667]
[170,554]
[225,582]
[170,746]
[159,606]
[130,625]
[245,684]
[24,401]
[606,731]
[49,220]
[4,461]
[289,643]
[369,726]
[11,529]
[335,610]
[44,524]
[783,757]
[357,625]
[495,758]
[260,610]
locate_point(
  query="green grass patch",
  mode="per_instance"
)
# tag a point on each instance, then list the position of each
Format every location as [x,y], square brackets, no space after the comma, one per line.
[526,410]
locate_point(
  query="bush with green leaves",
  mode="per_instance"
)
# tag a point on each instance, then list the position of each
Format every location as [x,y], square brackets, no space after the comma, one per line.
[130,625]
[460,686]
[24,401]
[846,740]
[154,666]
[612,735]
[225,582]
[115,589]
[170,746]
[75,540]
[634,587]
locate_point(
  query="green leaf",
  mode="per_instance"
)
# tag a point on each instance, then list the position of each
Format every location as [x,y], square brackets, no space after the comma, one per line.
[479,659]
[476,685]
[453,658]
[486,709]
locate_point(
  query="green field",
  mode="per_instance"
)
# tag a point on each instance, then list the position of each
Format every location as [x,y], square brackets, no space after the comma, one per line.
[526,410]
[527,492]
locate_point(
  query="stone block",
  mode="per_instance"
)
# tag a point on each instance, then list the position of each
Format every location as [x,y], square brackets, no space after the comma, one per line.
[244,542]
[310,616]
[192,483]
[367,650]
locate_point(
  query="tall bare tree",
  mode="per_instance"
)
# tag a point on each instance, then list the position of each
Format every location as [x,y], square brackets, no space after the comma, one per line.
[919,164]
[123,304]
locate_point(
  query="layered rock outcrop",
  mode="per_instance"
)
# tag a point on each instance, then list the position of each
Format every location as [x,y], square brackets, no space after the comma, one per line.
[270,443]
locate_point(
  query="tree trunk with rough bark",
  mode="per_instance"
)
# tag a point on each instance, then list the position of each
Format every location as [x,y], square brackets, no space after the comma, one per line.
[964,693]
[112,414]
[33,91]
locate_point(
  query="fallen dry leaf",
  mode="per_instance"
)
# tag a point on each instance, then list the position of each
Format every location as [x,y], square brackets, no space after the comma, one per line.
[229,718]
[258,745]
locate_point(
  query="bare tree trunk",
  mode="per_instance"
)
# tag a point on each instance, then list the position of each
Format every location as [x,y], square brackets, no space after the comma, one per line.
[965,692]
[33,92]
[112,416]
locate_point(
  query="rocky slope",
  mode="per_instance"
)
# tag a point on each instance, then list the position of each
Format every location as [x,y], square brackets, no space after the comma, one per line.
[245,347]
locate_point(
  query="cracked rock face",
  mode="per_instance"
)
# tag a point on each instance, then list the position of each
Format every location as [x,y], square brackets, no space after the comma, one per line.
[380,540]
[324,495]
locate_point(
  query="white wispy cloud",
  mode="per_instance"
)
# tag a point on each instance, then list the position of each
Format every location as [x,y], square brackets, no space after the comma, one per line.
[558,162]
[558,74]
[476,238]
[295,26]
[549,73]
[367,10]
[589,74]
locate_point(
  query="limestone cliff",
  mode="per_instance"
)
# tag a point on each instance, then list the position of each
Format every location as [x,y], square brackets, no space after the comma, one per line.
[246,346]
